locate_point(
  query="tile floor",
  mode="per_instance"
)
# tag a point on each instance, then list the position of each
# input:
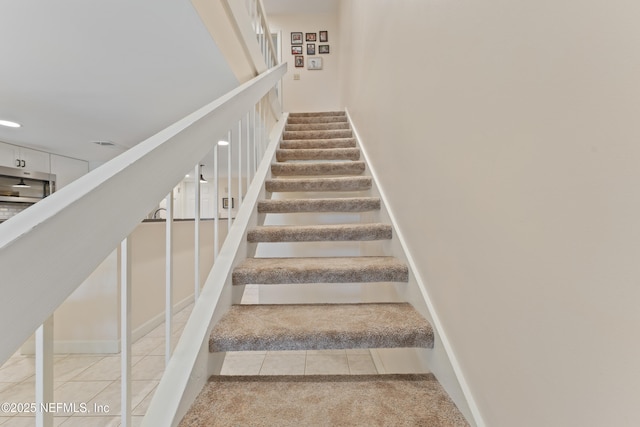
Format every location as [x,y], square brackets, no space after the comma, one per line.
[95,379]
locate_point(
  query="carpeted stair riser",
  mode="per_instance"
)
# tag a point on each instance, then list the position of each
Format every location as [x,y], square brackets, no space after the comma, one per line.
[317,119]
[319,114]
[318,134]
[358,183]
[318,154]
[320,327]
[319,233]
[316,126]
[352,204]
[324,400]
[295,144]
[318,168]
[275,271]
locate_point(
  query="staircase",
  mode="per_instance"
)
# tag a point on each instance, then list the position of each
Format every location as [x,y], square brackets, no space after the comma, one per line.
[318,154]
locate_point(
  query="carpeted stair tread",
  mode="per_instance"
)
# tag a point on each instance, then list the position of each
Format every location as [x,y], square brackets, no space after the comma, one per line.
[318,143]
[320,327]
[318,168]
[356,183]
[318,114]
[350,204]
[316,119]
[283,155]
[319,233]
[272,271]
[324,400]
[318,134]
[316,126]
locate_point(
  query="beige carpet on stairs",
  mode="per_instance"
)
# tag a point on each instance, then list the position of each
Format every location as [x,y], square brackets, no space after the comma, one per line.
[319,154]
[319,400]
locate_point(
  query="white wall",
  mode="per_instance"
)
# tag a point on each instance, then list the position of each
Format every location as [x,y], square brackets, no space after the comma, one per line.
[317,90]
[506,137]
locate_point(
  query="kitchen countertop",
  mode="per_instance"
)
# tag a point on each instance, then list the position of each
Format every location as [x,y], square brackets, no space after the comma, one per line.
[182,219]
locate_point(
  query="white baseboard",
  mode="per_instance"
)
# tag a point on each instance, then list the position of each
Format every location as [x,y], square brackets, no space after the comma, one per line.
[76,347]
[107,346]
[156,321]
[443,361]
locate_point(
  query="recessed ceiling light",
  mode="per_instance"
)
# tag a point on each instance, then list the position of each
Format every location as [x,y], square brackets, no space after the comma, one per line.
[223,143]
[104,143]
[10,124]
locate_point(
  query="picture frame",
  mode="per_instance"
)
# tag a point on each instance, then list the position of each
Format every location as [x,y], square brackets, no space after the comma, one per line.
[314,63]
[323,49]
[311,48]
[324,36]
[310,37]
[299,61]
[225,203]
[296,38]
[296,50]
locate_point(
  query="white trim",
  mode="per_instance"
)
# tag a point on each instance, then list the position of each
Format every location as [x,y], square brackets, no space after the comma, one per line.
[158,319]
[437,324]
[108,346]
[76,347]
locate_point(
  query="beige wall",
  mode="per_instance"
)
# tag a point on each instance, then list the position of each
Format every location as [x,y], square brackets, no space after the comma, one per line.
[317,90]
[148,267]
[88,321]
[506,138]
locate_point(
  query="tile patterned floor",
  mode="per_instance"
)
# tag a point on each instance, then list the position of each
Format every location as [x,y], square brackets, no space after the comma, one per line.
[95,379]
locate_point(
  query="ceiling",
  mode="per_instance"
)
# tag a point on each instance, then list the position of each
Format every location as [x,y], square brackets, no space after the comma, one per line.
[292,7]
[77,71]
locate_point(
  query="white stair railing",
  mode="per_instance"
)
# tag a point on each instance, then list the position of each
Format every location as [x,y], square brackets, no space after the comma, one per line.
[73,230]
[258,17]
[191,364]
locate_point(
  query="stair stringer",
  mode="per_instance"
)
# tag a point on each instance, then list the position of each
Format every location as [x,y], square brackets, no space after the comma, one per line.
[440,360]
[192,364]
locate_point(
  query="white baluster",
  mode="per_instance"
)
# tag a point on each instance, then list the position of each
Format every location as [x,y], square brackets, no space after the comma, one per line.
[255,139]
[169,279]
[248,151]
[239,163]
[44,372]
[125,332]
[229,192]
[216,197]
[196,239]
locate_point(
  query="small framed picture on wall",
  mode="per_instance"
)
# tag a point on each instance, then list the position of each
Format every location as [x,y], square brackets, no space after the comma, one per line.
[311,48]
[296,50]
[310,37]
[296,38]
[315,63]
[324,36]
[323,48]
[299,61]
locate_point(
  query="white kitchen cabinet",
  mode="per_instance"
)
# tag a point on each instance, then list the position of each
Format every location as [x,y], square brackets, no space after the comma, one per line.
[14,156]
[67,169]
[7,155]
[33,160]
